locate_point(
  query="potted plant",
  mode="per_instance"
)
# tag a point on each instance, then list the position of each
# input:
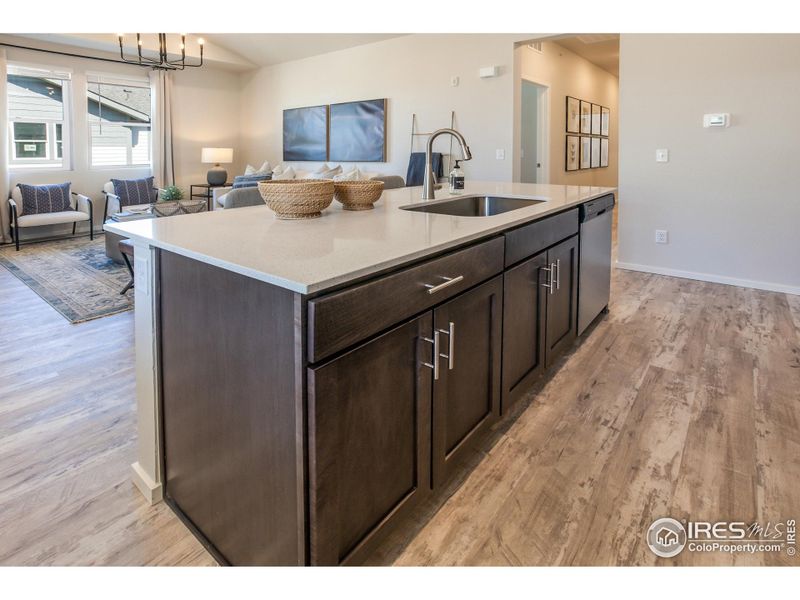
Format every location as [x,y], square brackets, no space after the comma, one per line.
[171,193]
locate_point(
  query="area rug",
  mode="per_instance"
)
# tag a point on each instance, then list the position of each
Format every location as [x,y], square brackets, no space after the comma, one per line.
[74,276]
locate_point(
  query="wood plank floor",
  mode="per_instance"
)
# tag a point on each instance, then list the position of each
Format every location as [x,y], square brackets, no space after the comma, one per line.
[684,401]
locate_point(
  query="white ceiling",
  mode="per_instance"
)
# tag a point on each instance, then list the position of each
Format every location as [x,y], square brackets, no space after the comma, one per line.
[600,49]
[272,48]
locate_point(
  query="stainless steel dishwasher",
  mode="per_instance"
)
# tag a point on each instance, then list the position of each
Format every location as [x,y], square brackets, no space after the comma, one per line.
[594,272]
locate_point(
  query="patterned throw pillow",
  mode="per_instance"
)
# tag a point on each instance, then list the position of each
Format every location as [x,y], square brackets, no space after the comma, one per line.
[41,199]
[134,191]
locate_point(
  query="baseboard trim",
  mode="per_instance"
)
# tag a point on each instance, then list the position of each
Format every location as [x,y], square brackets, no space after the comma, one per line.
[745,283]
[152,491]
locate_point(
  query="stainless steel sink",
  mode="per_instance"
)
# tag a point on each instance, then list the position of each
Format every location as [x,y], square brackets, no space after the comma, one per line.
[473,206]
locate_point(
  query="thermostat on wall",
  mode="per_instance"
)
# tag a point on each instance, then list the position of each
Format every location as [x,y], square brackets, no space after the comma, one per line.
[486,72]
[717,120]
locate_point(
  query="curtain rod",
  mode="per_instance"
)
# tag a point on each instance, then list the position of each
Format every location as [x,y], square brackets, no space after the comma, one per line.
[74,55]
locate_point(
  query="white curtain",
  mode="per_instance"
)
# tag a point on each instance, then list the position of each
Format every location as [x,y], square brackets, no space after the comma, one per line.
[161,97]
[4,184]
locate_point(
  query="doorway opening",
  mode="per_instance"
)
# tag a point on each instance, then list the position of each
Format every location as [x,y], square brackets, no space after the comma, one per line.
[534,132]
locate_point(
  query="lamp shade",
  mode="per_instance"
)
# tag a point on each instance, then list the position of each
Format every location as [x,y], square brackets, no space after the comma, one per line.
[217,155]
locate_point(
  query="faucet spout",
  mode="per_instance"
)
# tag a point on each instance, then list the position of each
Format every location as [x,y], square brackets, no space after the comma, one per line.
[430,178]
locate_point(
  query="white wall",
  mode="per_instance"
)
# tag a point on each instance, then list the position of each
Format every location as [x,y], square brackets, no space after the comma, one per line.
[728,197]
[205,113]
[567,74]
[205,104]
[414,73]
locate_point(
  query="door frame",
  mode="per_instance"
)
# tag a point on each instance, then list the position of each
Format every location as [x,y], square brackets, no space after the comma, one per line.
[542,126]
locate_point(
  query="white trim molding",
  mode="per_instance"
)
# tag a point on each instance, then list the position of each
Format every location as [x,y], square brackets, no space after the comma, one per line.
[152,491]
[746,283]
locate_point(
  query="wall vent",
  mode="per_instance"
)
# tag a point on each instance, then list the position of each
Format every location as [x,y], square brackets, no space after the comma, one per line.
[536,47]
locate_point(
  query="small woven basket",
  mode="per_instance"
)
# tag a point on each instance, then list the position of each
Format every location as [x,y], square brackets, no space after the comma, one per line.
[358,195]
[297,199]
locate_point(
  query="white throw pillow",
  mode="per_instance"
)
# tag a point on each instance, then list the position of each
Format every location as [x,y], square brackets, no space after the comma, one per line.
[265,169]
[322,169]
[287,173]
[353,175]
[329,174]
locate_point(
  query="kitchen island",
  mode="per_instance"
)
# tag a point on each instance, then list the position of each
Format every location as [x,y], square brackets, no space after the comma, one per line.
[302,385]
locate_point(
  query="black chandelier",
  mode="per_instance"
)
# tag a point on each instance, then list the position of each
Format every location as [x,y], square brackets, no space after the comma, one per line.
[163,61]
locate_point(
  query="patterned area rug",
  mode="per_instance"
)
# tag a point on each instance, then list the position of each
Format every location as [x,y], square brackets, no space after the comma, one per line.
[74,276]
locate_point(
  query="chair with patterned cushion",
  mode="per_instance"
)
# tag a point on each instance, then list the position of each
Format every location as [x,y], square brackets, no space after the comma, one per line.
[128,194]
[41,205]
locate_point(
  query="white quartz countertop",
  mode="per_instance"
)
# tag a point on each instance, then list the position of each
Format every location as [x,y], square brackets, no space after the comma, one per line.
[312,255]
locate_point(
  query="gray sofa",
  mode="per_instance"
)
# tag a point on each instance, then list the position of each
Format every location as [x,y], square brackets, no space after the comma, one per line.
[238,198]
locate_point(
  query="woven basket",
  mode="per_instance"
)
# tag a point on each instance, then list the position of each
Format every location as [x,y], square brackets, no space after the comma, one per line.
[358,195]
[297,199]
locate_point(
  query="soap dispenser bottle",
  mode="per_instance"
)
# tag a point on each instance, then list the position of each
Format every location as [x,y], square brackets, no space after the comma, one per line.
[456,179]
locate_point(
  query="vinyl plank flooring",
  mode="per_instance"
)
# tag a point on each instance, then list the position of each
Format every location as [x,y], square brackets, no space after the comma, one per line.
[682,402]
[67,439]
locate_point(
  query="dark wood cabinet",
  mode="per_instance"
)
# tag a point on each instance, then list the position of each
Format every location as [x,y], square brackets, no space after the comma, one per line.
[524,314]
[466,396]
[369,436]
[302,430]
[561,326]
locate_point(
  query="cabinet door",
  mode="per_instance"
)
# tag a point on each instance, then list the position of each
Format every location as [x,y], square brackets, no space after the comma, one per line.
[524,301]
[369,437]
[466,397]
[562,299]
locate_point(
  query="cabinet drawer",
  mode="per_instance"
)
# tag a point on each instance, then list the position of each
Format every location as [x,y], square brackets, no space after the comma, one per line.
[341,319]
[530,239]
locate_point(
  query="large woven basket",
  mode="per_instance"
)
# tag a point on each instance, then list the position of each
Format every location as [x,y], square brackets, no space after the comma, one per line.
[297,198]
[358,195]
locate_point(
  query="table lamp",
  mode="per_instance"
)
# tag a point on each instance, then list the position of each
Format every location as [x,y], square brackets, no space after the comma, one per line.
[216,156]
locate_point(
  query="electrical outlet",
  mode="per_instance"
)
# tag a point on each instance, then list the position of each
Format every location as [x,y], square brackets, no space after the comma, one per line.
[454,81]
[662,155]
[662,236]
[500,154]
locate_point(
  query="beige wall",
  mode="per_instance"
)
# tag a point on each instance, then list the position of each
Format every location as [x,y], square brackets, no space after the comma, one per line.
[728,197]
[205,112]
[567,74]
[414,72]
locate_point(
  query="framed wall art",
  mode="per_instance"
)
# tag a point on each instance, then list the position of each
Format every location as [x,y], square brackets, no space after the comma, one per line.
[595,152]
[573,115]
[605,118]
[573,153]
[604,152]
[305,133]
[596,119]
[586,117]
[586,153]
[358,131]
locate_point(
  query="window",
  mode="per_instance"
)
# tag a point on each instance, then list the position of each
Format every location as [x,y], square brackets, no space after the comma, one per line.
[38,102]
[119,122]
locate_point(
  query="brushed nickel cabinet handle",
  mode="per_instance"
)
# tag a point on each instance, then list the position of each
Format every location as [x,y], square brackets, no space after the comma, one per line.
[448,281]
[435,356]
[450,332]
[549,284]
[558,273]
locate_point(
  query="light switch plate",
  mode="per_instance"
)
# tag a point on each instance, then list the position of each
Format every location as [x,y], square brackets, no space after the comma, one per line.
[662,155]
[500,154]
